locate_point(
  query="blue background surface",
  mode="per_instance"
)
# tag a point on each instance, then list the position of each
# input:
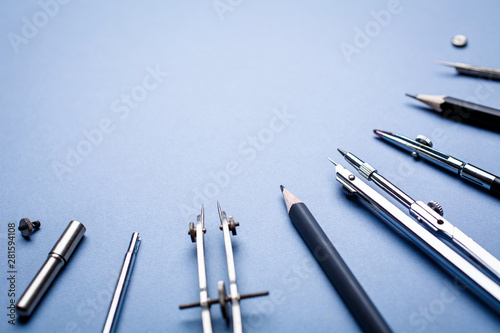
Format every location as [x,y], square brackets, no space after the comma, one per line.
[229,74]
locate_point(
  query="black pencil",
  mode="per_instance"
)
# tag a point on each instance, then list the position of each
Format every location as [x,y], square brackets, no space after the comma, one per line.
[341,277]
[462,111]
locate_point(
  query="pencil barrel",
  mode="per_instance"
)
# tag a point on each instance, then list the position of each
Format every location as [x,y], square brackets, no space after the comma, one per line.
[341,277]
[471,113]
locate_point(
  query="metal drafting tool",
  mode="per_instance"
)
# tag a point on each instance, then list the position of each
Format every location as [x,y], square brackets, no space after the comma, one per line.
[421,147]
[122,284]
[197,235]
[431,214]
[471,70]
[226,226]
[451,261]
[57,259]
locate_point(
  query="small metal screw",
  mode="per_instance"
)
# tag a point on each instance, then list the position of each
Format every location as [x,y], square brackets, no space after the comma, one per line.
[435,206]
[459,40]
[232,225]
[352,177]
[27,228]
[192,231]
[424,140]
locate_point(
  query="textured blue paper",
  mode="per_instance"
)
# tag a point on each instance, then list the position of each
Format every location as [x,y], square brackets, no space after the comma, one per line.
[258,94]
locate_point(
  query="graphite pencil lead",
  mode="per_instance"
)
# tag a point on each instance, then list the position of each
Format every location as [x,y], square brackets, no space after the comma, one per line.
[290,199]
[434,101]
[411,95]
[332,161]
[342,152]
[282,188]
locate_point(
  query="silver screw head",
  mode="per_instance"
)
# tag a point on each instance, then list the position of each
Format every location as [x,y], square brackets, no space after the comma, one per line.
[459,40]
[435,206]
[424,140]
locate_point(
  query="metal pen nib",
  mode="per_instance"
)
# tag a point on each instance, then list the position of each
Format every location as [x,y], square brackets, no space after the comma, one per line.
[452,262]
[421,147]
[431,214]
[122,284]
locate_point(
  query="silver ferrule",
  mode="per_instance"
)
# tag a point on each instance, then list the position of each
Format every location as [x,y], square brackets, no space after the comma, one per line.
[476,175]
[370,173]
[122,284]
[58,257]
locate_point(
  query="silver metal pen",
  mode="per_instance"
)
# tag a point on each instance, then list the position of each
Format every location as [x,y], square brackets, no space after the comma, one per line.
[57,259]
[122,284]
[421,147]
[473,278]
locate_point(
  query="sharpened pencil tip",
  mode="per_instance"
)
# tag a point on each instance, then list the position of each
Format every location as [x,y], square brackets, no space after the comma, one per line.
[342,152]
[332,161]
[282,188]
[411,95]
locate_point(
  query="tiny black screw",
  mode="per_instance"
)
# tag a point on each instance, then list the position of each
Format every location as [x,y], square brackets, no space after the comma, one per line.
[27,227]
